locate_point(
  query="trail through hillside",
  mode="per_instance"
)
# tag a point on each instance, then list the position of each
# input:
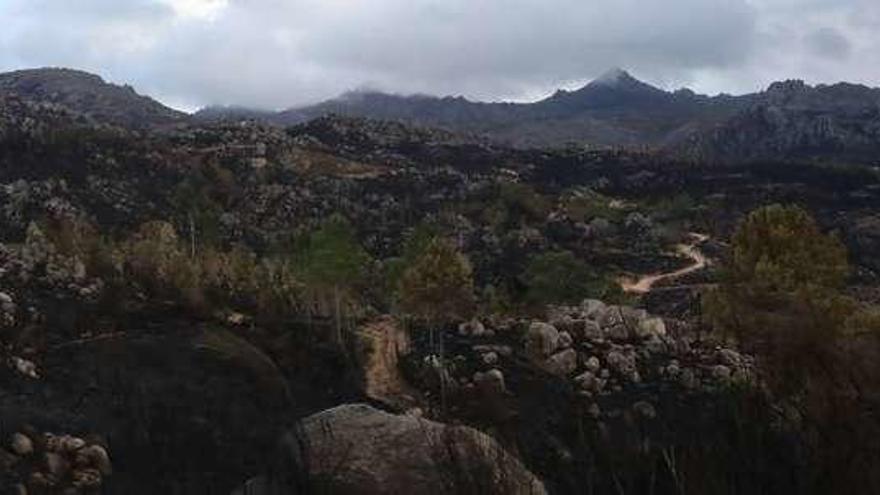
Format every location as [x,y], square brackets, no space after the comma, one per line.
[644,283]
[384,382]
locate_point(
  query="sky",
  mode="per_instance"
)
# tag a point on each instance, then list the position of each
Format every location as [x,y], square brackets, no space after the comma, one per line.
[276,54]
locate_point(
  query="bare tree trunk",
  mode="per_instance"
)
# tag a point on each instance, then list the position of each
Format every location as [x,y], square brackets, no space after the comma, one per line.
[310,307]
[192,235]
[337,316]
[443,384]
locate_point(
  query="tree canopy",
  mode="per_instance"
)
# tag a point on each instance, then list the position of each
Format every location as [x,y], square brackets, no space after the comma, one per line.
[781,293]
[333,256]
[781,249]
[439,286]
[559,277]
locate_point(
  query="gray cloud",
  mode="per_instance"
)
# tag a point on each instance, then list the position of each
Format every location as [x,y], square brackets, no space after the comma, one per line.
[829,43]
[276,53]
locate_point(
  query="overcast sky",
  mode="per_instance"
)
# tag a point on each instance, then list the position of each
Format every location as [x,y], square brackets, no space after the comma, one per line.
[281,53]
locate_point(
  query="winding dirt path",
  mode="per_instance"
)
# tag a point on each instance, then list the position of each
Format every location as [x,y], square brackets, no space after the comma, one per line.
[384,382]
[644,283]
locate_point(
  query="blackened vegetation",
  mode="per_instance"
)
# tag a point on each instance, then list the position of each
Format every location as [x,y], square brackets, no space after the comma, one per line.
[221,317]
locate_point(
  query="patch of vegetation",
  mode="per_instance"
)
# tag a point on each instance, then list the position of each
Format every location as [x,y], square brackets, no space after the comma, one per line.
[559,277]
[781,298]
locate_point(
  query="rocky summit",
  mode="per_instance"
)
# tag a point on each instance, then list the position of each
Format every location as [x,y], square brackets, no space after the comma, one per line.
[442,300]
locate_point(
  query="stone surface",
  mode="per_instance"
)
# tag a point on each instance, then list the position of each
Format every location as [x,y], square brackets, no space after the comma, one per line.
[565,340]
[490,358]
[473,328]
[562,363]
[644,410]
[541,340]
[491,382]
[592,308]
[651,327]
[359,449]
[593,364]
[21,445]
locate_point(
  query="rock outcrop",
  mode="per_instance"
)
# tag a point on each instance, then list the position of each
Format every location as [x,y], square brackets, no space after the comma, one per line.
[357,449]
[611,355]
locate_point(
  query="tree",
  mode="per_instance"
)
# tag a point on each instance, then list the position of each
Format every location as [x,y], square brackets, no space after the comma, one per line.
[781,298]
[197,201]
[559,277]
[415,244]
[439,288]
[439,285]
[154,257]
[780,295]
[334,259]
[780,249]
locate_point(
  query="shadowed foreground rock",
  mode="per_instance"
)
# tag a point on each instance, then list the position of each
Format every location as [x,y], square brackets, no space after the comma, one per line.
[357,449]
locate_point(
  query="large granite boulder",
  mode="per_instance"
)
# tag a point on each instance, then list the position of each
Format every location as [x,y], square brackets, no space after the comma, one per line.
[357,449]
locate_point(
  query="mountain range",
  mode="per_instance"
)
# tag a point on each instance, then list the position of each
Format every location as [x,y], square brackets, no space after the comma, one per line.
[788,120]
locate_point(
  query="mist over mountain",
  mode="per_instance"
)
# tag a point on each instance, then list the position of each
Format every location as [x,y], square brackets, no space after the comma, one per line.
[789,119]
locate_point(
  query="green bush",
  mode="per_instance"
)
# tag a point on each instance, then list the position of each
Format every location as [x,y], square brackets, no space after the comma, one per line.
[560,277]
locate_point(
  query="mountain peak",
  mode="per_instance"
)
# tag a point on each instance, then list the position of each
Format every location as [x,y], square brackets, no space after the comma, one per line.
[613,77]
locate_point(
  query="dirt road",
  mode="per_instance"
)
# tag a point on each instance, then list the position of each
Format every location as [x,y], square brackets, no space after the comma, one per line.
[644,283]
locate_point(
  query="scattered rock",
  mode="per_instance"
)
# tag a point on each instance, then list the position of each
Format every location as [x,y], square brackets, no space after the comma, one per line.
[592,309]
[490,358]
[21,445]
[592,331]
[491,382]
[721,373]
[86,478]
[56,466]
[590,382]
[688,379]
[729,357]
[672,369]
[562,363]
[501,350]
[96,456]
[624,365]
[24,367]
[651,327]
[565,340]
[541,340]
[69,443]
[645,410]
[473,328]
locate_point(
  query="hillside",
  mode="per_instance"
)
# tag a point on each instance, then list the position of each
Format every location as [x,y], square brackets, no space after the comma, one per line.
[89,95]
[794,120]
